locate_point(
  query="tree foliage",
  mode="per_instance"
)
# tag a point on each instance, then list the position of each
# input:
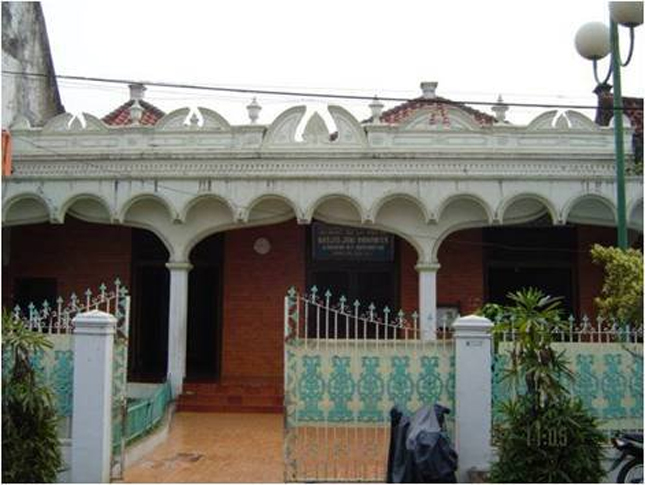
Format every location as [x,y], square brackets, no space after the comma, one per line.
[622,290]
[30,445]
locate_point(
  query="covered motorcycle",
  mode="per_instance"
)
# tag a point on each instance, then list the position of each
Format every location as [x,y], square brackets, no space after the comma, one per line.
[420,450]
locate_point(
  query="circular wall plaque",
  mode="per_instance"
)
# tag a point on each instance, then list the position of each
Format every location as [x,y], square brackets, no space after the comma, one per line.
[262,245]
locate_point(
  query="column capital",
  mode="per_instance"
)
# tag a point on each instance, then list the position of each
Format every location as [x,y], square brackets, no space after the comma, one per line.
[94,322]
[427,267]
[179,265]
[472,326]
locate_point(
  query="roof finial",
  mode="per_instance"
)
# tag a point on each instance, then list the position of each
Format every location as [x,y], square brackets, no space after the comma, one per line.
[254,109]
[429,88]
[136,112]
[500,109]
[137,91]
[377,108]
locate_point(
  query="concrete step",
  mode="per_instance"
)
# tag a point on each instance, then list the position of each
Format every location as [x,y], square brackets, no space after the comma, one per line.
[221,408]
[251,395]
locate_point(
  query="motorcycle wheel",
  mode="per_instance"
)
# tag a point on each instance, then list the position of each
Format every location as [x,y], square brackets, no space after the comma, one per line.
[632,472]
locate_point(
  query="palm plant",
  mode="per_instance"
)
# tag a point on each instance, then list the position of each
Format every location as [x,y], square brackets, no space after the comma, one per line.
[545,435]
[532,320]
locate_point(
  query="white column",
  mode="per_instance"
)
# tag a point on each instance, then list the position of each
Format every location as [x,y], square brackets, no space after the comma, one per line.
[473,393]
[428,299]
[92,412]
[177,324]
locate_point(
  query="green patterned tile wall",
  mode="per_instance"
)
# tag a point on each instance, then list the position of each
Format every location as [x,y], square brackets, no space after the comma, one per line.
[359,382]
[608,380]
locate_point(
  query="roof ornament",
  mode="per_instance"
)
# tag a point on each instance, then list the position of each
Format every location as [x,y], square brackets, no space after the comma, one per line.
[136,112]
[377,109]
[254,109]
[137,91]
[500,108]
[429,89]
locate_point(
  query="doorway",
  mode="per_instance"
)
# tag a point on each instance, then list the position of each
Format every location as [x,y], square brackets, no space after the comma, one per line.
[148,356]
[204,344]
[360,264]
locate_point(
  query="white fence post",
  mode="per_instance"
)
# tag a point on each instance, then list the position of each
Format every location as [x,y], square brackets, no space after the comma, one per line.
[92,412]
[473,362]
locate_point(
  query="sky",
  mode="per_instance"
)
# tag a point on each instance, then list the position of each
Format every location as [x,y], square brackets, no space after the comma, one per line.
[476,51]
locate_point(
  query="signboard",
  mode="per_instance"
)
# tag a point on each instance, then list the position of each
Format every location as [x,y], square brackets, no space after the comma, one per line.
[341,243]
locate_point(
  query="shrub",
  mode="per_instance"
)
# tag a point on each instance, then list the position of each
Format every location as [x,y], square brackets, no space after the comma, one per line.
[30,445]
[560,443]
[622,291]
[545,435]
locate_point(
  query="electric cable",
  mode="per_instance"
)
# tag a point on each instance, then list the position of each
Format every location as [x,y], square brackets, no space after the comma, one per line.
[299,94]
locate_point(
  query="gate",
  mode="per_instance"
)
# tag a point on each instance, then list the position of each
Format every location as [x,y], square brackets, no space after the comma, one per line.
[345,368]
[57,366]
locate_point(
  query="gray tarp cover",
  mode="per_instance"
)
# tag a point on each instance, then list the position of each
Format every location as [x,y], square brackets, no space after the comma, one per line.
[420,451]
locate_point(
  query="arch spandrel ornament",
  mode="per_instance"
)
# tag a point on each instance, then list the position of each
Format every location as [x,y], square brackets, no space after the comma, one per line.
[92,123]
[316,132]
[58,124]
[212,120]
[282,131]
[579,121]
[175,120]
[545,121]
[350,131]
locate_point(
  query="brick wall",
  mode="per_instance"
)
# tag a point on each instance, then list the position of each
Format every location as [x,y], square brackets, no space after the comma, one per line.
[254,291]
[590,275]
[79,255]
[409,280]
[460,280]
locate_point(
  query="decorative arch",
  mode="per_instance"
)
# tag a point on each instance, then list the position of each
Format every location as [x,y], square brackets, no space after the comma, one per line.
[127,205]
[434,256]
[58,123]
[380,203]
[183,215]
[92,123]
[212,120]
[544,121]
[444,204]
[331,197]
[175,120]
[571,204]
[283,129]
[49,212]
[160,235]
[297,212]
[62,212]
[350,131]
[501,213]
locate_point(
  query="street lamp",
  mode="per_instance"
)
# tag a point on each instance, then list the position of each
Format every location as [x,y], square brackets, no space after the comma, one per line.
[594,41]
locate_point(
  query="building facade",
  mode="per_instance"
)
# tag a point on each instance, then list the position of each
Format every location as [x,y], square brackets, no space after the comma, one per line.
[431,207]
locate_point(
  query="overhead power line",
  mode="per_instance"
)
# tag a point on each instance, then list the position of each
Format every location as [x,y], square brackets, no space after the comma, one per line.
[299,94]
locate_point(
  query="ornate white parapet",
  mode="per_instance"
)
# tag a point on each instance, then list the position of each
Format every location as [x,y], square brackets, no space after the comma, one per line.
[193,173]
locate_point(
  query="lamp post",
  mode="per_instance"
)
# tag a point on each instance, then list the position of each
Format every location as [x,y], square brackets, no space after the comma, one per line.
[594,41]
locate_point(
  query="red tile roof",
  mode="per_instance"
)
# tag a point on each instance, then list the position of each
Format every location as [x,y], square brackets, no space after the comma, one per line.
[633,109]
[121,115]
[403,111]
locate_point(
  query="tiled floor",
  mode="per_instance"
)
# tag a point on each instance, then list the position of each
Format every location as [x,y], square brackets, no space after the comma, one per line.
[208,447]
